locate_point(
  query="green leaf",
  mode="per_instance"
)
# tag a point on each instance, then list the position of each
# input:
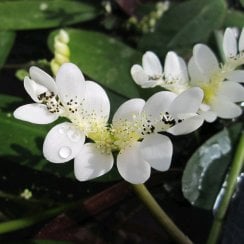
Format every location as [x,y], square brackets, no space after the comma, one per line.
[104,59]
[206,169]
[184,25]
[242,2]
[6,42]
[234,18]
[20,15]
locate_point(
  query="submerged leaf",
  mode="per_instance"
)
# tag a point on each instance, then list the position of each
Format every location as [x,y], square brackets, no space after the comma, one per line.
[205,171]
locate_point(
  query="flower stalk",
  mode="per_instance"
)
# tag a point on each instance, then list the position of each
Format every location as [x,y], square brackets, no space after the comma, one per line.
[235,171]
[164,220]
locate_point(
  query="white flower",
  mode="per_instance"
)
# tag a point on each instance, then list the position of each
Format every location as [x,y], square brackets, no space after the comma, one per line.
[84,103]
[231,46]
[150,74]
[220,84]
[134,133]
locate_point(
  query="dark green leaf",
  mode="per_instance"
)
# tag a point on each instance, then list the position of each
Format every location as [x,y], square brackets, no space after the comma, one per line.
[19,15]
[206,169]
[6,42]
[234,18]
[104,59]
[184,25]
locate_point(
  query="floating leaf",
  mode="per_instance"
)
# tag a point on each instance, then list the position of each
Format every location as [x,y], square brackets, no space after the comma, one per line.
[104,59]
[205,171]
[6,42]
[185,24]
[20,15]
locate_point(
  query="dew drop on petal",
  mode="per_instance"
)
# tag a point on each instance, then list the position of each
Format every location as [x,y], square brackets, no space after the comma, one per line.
[64,152]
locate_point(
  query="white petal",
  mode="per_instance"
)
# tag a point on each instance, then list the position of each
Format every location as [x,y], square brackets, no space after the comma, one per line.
[209,116]
[233,91]
[91,163]
[157,150]
[186,126]
[42,78]
[175,68]
[70,83]
[229,43]
[158,104]
[188,101]
[151,64]
[62,143]
[35,113]
[138,74]
[128,110]
[226,109]
[96,100]
[33,88]
[205,59]
[131,166]
[236,76]
[241,41]
[195,73]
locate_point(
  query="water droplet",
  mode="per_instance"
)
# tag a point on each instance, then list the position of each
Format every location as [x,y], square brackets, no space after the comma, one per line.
[73,135]
[64,152]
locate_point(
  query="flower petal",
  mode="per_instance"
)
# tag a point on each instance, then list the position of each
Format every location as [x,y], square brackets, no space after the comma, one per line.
[138,74]
[209,116]
[157,150]
[42,78]
[233,91]
[131,166]
[70,83]
[35,113]
[188,101]
[91,163]
[236,76]
[158,104]
[205,59]
[33,88]
[195,73]
[96,100]
[186,126]
[151,64]
[62,143]
[229,43]
[175,68]
[241,41]
[128,110]
[226,109]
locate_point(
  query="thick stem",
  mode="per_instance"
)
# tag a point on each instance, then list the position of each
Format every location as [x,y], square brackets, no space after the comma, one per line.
[164,220]
[235,171]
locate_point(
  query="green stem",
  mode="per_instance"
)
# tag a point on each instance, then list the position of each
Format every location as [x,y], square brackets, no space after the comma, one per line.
[235,171]
[19,224]
[164,220]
